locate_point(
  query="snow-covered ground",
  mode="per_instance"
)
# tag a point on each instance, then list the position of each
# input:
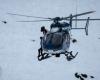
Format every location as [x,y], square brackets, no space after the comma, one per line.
[18,53]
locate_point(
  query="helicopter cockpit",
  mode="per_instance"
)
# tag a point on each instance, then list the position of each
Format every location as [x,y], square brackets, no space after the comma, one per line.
[59,26]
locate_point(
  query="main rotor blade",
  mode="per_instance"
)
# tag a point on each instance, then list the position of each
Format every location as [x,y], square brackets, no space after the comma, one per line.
[34,21]
[80,14]
[67,19]
[84,19]
[27,16]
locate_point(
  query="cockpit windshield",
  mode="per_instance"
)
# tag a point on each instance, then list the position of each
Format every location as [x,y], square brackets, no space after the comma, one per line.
[55,29]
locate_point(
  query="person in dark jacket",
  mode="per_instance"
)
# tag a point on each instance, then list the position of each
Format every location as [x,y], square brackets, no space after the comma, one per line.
[44,30]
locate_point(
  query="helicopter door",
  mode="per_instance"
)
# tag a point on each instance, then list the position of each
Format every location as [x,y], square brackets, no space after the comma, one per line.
[66,43]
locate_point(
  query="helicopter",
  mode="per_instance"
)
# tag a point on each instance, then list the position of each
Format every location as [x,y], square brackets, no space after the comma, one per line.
[57,40]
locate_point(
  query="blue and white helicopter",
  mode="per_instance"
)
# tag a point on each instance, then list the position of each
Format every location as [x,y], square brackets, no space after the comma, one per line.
[57,41]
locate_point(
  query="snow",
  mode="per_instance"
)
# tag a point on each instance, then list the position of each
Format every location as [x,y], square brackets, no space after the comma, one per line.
[18,53]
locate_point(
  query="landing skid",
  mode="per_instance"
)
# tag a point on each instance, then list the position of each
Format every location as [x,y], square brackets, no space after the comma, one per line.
[42,56]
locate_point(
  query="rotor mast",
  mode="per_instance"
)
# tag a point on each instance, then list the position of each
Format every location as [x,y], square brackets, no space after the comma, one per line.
[76,13]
